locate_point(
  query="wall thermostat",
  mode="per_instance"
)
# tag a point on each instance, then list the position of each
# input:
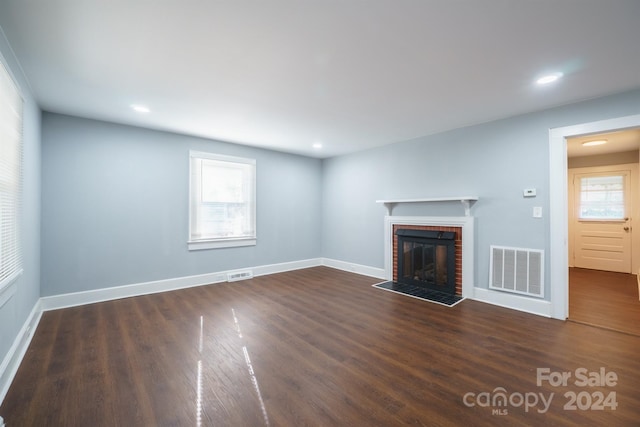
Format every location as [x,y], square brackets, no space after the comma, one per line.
[529,192]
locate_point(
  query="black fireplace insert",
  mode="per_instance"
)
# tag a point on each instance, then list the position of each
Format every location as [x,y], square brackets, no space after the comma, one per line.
[427,259]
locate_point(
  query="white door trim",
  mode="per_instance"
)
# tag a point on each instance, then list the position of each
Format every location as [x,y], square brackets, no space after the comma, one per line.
[558,204]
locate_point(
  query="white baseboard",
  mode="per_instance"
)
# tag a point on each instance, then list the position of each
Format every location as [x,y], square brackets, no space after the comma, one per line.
[502,299]
[14,356]
[286,266]
[365,270]
[513,302]
[107,294]
[55,302]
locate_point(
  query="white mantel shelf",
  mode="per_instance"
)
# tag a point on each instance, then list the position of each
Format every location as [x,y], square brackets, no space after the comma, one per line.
[467,201]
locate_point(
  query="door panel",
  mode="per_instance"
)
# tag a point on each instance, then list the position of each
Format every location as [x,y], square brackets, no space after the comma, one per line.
[603,244]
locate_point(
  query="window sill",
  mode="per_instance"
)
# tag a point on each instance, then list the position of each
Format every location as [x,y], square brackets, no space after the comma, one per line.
[8,288]
[197,245]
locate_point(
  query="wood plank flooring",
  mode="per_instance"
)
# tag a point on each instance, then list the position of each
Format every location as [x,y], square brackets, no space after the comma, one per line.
[314,347]
[604,299]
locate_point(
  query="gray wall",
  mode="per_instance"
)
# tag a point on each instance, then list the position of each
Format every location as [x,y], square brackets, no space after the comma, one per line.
[15,312]
[494,161]
[115,206]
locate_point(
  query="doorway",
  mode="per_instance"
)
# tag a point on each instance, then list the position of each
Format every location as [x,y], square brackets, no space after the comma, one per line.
[602,204]
[558,259]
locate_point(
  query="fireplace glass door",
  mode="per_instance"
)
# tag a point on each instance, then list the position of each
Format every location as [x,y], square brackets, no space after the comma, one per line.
[427,259]
[425,263]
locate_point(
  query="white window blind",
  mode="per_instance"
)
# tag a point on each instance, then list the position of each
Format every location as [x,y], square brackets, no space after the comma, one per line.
[10,178]
[222,201]
[602,197]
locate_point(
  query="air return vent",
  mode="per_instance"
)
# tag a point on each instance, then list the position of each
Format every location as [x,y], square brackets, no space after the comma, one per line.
[239,275]
[517,270]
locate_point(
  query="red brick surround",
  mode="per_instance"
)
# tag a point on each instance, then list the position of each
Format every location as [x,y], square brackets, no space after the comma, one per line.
[457,230]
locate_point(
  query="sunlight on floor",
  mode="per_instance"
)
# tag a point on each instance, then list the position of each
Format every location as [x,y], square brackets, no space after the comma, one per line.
[254,379]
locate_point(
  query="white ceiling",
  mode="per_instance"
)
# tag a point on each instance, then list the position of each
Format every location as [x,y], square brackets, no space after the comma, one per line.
[285,74]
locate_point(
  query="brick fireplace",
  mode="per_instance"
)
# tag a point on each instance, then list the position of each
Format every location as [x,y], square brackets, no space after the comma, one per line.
[463,227]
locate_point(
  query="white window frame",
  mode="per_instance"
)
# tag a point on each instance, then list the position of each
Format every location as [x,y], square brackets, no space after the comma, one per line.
[11,122]
[195,202]
[624,175]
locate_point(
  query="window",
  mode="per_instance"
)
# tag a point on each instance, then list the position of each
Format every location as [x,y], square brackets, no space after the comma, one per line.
[222,201]
[602,198]
[10,178]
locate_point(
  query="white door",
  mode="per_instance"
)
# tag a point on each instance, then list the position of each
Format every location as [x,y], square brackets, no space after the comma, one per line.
[602,227]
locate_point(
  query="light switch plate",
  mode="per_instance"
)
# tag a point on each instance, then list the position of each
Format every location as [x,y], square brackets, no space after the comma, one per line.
[537,211]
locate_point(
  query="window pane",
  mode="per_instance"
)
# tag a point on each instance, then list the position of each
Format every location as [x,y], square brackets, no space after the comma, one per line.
[223,182]
[220,220]
[602,197]
[222,197]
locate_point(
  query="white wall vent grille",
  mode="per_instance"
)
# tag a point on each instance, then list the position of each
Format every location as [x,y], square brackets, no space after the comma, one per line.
[239,275]
[517,270]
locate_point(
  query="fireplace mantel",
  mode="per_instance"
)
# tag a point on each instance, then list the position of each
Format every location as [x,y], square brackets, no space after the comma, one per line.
[467,201]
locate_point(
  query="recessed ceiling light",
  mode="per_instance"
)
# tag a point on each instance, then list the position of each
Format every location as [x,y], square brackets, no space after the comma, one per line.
[549,78]
[317,146]
[596,142]
[140,108]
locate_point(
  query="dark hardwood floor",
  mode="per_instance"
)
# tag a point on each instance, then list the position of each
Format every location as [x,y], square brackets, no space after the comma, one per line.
[315,347]
[604,299]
